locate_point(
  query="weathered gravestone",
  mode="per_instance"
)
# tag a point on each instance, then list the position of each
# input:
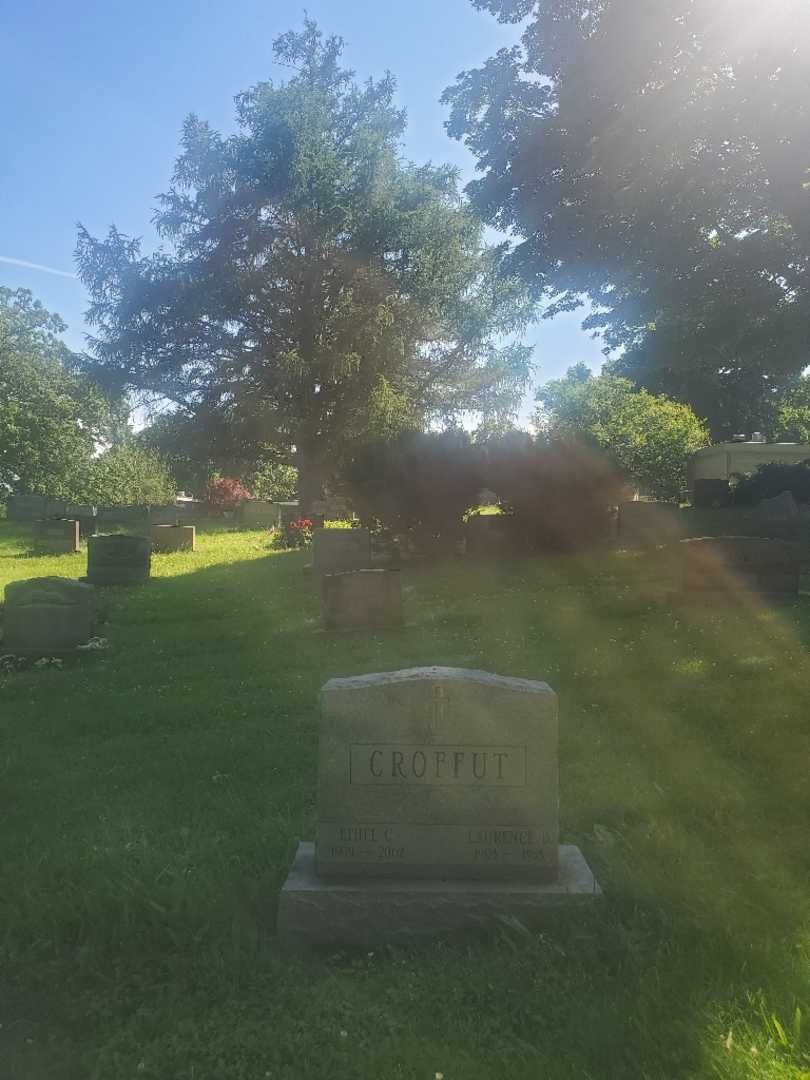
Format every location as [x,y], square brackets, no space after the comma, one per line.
[118,559]
[716,566]
[57,536]
[48,615]
[135,520]
[260,514]
[174,537]
[648,524]
[27,507]
[361,599]
[336,550]
[437,810]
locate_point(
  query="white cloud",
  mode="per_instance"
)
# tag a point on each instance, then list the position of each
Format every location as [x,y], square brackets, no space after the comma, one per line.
[36,266]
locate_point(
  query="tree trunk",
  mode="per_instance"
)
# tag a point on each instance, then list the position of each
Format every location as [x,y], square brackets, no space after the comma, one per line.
[310,481]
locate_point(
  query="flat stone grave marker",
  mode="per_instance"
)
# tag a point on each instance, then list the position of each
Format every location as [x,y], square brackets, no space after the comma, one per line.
[118,559]
[174,537]
[437,809]
[361,599]
[336,550]
[46,616]
[718,565]
[57,536]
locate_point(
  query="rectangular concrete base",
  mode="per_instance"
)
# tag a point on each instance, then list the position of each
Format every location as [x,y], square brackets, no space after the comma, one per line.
[315,913]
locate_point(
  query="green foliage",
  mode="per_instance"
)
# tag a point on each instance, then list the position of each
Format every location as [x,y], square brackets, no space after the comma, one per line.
[652,157]
[317,288]
[191,446]
[772,479]
[558,491]
[275,480]
[428,484]
[127,475]
[293,535]
[50,418]
[791,420]
[647,437]
[420,482]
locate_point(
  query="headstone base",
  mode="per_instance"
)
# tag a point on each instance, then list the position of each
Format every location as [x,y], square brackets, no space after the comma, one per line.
[317,913]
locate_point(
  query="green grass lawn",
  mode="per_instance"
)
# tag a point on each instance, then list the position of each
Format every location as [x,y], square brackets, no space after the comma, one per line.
[153,794]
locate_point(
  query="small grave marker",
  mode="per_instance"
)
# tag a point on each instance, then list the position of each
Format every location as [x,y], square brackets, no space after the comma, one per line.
[58,536]
[336,550]
[118,559]
[361,599]
[174,538]
[47,616]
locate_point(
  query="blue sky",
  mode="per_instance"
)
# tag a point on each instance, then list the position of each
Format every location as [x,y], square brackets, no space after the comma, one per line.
[93,95]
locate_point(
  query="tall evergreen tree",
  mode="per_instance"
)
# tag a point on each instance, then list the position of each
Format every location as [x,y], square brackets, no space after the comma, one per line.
[317,289]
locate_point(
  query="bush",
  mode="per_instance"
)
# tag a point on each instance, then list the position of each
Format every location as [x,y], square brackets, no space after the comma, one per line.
[425,484]
[275,481]
[422,483]
[225,493]
[560,492]
[771,480]
[648,438]
[129,475]
[295,534]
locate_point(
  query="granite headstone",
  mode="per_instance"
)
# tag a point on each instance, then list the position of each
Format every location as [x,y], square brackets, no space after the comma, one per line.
[168,538]
[47,616]
[437,810]
[118,559]
[361,599]
[715,566]
[57,536]
[336,550]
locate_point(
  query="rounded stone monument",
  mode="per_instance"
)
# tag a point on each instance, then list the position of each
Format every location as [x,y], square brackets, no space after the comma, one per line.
[46,616]
[118,559]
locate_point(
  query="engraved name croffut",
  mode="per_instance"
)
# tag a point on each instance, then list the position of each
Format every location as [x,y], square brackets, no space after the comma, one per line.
[503,766]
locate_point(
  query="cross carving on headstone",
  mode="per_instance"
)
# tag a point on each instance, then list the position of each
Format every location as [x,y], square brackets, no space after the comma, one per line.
[438,708]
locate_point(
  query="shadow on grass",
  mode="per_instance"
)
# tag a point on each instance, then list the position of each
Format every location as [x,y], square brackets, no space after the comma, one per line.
[158,794]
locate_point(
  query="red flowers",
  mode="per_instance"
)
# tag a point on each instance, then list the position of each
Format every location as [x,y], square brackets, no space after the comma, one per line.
[225,492]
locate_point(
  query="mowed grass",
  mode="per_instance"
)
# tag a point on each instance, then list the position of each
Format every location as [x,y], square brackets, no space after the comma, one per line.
[153,796]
